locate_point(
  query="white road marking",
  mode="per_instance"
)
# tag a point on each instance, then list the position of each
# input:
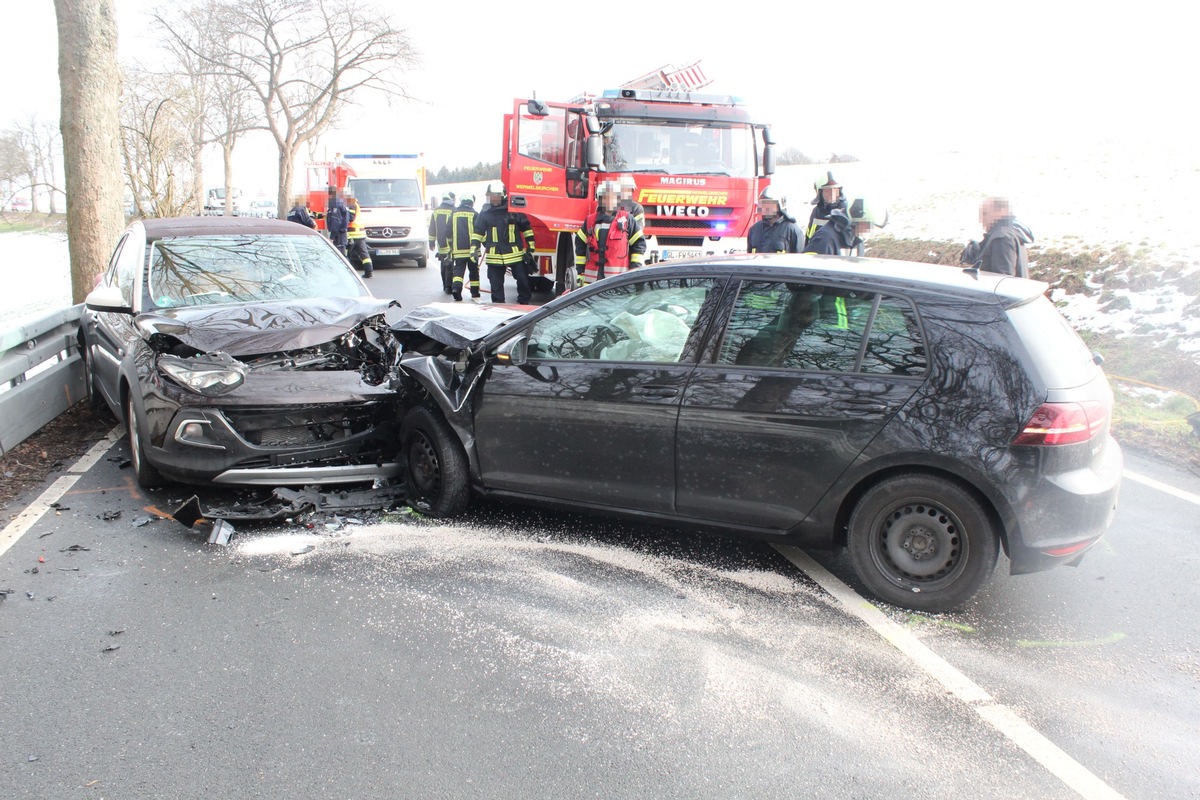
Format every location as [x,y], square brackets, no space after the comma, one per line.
[38,508]
[1162,487]
[998,715]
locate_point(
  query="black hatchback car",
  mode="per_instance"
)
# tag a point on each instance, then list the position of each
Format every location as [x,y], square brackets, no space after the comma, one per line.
[924,416]
[241,351]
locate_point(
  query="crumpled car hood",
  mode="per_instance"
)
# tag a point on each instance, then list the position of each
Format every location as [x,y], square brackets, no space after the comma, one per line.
[251,329]
[458,324]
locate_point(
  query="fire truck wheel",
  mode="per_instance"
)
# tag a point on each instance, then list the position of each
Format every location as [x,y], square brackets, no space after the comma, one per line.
[564,266]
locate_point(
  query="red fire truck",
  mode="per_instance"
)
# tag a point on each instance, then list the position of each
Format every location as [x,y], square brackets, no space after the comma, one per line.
[694,158]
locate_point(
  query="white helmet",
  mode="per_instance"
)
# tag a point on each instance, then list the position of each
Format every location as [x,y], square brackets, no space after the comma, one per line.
[770,196]
[861,210]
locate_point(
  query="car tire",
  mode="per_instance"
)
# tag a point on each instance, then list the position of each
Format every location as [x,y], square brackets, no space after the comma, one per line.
[435,467]
[922,542]
[143,471]
[565,278]
[423,262]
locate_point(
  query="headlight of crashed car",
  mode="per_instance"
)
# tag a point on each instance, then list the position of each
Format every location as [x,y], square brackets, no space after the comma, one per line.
[209,374]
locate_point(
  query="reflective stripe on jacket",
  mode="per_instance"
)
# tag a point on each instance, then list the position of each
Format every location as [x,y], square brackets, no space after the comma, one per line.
[355,229]
[505,234]
[439,228]
[462,226]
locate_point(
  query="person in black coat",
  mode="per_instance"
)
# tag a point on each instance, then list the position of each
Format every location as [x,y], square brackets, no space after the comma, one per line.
[299,214]
[776,232]
[1003,249]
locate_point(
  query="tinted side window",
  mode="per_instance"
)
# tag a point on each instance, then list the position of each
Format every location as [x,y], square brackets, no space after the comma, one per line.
[641,322]
[894,346]
[784,325]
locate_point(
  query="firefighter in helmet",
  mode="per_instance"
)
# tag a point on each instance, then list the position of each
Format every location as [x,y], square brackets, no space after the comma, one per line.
[776,232]
[507,236]
[629,203]
[462,227]
[845,231]
[829,196]
[439,242]
[356,236]
[610,241]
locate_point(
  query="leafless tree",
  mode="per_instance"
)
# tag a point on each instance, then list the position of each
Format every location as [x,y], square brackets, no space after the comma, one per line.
[90,89]
[40,149]
[220,106]
[155,145]
[304,60]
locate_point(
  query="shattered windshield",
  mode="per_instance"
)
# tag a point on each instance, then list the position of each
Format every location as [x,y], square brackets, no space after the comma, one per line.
[680,147]
[209,270]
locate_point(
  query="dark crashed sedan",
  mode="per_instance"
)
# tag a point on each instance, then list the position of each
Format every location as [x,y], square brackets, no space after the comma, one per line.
[923,416]
[241,351]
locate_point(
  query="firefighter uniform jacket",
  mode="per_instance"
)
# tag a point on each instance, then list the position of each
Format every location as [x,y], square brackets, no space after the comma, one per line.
[609,243]
[439,227]
[462,228]
[505,234]
[355,229]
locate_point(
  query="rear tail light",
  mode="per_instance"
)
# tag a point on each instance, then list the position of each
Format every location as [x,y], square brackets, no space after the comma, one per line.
[1064,423]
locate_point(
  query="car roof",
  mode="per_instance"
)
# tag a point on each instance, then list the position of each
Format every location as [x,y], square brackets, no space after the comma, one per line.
[215,226]
[879,273]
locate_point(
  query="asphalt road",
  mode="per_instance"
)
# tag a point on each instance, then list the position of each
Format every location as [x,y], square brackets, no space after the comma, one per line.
[526,654]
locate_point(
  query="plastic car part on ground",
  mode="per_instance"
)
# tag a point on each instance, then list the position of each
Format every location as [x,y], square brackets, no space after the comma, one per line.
[282,504]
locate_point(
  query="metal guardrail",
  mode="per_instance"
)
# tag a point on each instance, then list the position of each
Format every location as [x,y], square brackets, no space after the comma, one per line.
[41,374]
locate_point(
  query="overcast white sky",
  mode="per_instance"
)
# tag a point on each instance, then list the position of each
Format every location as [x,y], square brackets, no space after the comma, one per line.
[875,79]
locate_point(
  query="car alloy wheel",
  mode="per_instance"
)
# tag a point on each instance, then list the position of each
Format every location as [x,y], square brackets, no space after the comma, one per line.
[147,476]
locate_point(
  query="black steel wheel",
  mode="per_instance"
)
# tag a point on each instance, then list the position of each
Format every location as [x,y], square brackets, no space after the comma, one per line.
[922,542]
[147,476]
[435,468]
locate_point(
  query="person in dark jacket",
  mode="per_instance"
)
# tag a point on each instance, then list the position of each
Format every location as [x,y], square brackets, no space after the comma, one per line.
[439,239]
[337,219]
[829,196]
[299,213]
[776,232]
[507,236]
[843,234]
[462,227]
[1003,247]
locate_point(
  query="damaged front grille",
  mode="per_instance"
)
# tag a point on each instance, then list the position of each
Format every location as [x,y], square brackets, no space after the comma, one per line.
[316,425]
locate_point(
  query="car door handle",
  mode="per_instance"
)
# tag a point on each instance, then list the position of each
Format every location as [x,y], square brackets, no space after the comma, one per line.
[860,404]
[656,391]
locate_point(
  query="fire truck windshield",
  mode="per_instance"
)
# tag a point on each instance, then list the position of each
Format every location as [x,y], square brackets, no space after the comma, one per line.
[680,147]
[386,192]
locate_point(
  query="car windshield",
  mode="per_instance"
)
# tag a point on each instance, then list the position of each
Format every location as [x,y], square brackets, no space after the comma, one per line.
[386,192]
[208,270]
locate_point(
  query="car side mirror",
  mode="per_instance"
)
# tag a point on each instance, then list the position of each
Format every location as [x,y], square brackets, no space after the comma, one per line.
[107,298]
[537,108]
[515,351]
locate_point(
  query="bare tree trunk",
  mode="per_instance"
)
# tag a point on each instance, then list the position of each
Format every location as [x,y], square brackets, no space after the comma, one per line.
[198,177]
[90,88]
[284,197]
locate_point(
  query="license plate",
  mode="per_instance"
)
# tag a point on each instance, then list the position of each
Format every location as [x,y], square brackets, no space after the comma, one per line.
[388,251]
